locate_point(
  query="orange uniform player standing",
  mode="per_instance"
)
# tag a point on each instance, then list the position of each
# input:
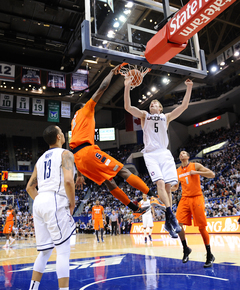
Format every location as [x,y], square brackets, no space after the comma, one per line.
[7,230]
[94,163]
[97,217]
[192,203]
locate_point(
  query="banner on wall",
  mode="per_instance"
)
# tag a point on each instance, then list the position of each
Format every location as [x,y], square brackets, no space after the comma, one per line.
[22,105]
[132,123]
[56,80]
[53,111]
[65,109]
[6,103]
[7,72]
[38,107]
[31,76]
[219,225]
[80,80]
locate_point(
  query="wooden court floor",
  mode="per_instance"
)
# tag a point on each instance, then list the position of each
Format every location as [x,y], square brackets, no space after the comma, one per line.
[126,262]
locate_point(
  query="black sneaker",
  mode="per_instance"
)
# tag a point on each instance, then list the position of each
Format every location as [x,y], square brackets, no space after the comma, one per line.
[186,254]
[209,262]
[150,238]
[175,223]
[141,211]
[168,227]
[145,240]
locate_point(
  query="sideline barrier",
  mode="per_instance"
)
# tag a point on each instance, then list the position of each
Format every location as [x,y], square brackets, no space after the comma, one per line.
[218,225]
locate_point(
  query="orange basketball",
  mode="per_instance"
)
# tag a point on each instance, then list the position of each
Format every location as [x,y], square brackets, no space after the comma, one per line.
[136,77]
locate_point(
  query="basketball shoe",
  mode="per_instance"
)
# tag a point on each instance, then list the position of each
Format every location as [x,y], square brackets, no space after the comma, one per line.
[141,211]
[168,227]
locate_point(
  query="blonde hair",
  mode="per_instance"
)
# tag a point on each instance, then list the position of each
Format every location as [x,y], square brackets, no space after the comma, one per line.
[160,105]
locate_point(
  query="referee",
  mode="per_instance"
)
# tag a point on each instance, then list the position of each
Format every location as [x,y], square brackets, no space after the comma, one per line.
[114,222]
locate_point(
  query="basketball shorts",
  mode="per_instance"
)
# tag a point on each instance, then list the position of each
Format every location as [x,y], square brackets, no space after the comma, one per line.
[147,220]
[98,223]
[96,164]
[8,227]
[161,166]
[53,223]
[189,207]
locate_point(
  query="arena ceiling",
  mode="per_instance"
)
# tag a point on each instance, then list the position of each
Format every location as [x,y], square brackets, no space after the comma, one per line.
[46,34]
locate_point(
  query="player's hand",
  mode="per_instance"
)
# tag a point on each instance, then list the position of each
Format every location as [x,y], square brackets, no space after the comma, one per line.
[116,69]
[80,181]
[127,81]
[188,82]
[193,172]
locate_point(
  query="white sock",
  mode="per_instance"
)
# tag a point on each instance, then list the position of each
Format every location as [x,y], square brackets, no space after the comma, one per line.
[7,242]
[150,232]
[145,233]
[34,285]
[67,288]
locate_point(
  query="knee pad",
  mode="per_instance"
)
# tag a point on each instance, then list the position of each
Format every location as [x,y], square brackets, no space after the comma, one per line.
[41,260]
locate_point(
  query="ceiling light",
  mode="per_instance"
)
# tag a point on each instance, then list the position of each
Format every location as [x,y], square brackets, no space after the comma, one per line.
[165,80]
[59,94]
[139,101]
[104,42]
[90,61]
[127,11]
[122,18]
[213,68]
[153,89]
[150,20]
[144,97]
[222,63]
[236,53]
[12,88]
[44,87]
[116,24]
[129,5]
[110,34]
[148,93]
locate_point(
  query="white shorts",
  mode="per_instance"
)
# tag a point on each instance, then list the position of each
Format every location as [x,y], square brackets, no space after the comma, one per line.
[147,220]
[161,166]
[52,221]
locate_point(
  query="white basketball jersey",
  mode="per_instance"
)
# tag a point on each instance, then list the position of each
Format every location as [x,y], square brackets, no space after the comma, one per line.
[50,174]
[145,204]
[155,132]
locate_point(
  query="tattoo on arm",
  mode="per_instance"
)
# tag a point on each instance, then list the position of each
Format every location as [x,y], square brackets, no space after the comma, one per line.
[34,182]
[67,160]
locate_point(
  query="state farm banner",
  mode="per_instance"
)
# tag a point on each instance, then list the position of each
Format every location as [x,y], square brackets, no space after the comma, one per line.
[53,111]
[7,72]
[38,106]
[65,109]
[80,80]
[31,76]
[218,225]
[6,103]
[56,80]
[22,105]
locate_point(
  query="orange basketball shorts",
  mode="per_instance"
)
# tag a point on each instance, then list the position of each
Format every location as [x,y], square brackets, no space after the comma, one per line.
[8,227]
[96,164]
[189,207]
[98,223]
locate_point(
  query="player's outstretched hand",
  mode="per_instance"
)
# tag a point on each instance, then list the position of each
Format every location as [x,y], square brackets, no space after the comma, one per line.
[116,69]
[188,82]
[80,181]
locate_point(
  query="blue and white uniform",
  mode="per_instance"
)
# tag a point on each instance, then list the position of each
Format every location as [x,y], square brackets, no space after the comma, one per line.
[159,160]
[52,219]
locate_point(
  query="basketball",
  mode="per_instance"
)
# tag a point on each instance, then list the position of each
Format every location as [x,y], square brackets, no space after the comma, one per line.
[136,77]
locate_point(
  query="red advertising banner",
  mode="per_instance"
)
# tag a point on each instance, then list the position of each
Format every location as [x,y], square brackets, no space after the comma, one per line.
[220,225]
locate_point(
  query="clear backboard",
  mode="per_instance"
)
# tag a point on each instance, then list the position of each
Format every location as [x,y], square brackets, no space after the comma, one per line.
[119,30]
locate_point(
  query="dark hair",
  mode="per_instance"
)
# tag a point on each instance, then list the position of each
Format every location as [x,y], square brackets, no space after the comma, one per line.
[77,107]
[50,134]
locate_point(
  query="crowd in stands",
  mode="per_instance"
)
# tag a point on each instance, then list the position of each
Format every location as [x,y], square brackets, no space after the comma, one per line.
[222,194]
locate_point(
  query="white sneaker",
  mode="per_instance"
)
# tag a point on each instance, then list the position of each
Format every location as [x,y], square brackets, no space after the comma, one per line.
[12,241]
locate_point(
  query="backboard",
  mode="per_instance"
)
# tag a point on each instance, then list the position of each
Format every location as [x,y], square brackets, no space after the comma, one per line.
[119,30]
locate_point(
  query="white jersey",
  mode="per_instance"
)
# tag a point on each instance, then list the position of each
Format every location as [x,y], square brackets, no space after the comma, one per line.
[50,174]
[155,132]
[145,204]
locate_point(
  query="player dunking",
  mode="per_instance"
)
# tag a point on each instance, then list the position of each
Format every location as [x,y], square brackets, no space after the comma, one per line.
[158,158]
[98,216]
[192,203]
[94,163]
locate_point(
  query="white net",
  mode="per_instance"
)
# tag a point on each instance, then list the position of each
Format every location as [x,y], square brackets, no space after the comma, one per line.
[136,73]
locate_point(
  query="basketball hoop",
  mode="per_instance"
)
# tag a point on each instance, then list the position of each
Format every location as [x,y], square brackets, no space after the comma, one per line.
[136,73]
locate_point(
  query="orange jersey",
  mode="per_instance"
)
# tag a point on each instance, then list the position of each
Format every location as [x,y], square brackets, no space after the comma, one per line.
[191,185]
[10,215]
[97,211]
[83,125]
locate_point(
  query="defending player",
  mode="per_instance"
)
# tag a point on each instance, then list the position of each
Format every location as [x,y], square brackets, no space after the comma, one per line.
[147,218]
[98,216]
[192,203]
[94,163]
